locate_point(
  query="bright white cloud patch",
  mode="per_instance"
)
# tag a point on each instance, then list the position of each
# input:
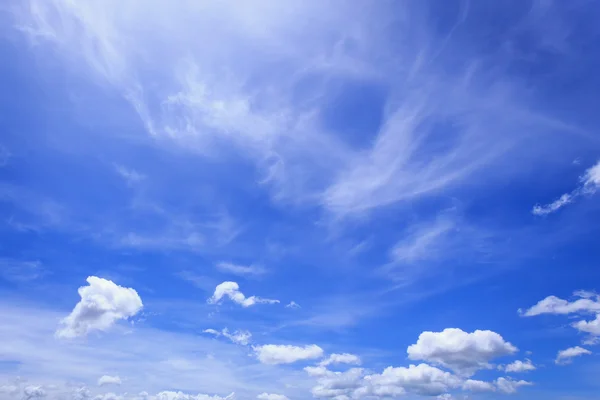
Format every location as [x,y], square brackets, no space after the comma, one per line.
[271,396]
[520,366]
[293,305]
[33,392]
[566,356]
[589,184]
[509,386]
[472,385]
[237,337]
[102,304]
[168,395]
[242,270]
[232,290]
[109,380]
[286,354]
[461,351]
[344,358]
[556,305]
[421,379]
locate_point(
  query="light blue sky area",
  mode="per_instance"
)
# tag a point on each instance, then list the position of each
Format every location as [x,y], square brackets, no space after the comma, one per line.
[339,200]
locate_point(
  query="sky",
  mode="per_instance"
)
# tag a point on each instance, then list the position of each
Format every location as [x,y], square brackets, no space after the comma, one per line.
[288,200]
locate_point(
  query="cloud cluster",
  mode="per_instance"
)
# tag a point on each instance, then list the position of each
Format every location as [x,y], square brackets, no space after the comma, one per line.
[102,304]
[520,366]
[586,303]
[238,337]
[566,356]
[463,352]
[109,380]
[344,358]
[241,270]
[232,290]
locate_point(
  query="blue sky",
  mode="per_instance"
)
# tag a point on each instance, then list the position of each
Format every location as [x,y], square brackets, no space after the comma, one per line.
[304,199]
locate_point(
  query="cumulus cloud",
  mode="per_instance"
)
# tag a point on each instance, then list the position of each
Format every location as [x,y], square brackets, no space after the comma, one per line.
[566,356]
[232,290]
[286,354]
[238,337]
[520,366]
[592,327]
[344,358]
[472,385]
[271,396]
[460,351]
[556,305]
[169,395]
[109,380]
[421,379]
[102,304]
[509,386]
[33,392]
[242,270]
[589,184]
[336,385]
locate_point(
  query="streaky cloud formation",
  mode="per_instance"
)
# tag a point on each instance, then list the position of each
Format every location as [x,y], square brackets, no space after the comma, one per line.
[566,356]
[286,354]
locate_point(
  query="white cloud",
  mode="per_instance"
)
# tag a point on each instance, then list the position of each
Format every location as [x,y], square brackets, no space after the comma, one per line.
[472,385]
[33,392]
[9,389]
[271,396]
[109,396]
[589,184]
[168,395]
[102,304]
[237,337]
[286,354]
[421,379]
[592,327]
[337,385]
[445,396]
[109,380]
[421,244]
[520,366]
[556,305]
[566,356]
[509,386]
[232,290]
[461,351]
[292,304]
[344,358]
[242,270]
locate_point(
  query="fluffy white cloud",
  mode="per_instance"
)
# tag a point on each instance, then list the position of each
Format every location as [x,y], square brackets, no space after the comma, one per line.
[271,396]
[33,392]
[556,305]
[242,270]
[592,327]
[238,337]
[566,356]
[445,396]
[168,395]
[109,380]
[472,385]
[109,396]
[337,385]
[421,379]
[460,351]
[232,290]
[286,354]
[102,304]
[509,386]
[520,366]
[344,358]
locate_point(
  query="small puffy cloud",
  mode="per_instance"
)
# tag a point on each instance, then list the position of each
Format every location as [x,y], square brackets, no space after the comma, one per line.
[420,379]
[286,354]
[238,337]
[271,396]
[337,385]
[472,385]
[241,270]
[556,305]
[344,358]
[509,386]
[460,351]
[566,356]
[589,184]
[293,305]
[520,366]
[102,304]
[445,396]
[592,327]
[109,380]
[109,396]
[33,392]
[232,290]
